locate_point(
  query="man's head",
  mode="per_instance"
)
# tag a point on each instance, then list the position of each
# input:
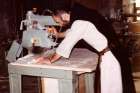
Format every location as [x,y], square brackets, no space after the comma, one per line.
[61,17]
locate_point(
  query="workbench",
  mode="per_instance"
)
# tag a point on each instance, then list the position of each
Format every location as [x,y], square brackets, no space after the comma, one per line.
[65,71]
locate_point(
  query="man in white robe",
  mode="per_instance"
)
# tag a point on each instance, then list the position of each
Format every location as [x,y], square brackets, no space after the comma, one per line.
[111,80]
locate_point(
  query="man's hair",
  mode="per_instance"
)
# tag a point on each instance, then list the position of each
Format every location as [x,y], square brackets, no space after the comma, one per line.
[59,12]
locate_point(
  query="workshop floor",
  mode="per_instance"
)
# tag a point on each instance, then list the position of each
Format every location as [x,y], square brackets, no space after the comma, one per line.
[136,72]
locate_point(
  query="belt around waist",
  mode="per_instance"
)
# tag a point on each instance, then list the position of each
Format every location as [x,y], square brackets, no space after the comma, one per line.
[104,51]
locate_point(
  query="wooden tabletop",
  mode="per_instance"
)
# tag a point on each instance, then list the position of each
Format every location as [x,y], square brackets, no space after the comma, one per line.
[81,60]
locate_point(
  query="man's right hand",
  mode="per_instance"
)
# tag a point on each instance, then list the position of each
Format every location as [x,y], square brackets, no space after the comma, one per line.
[53,31]
[43,60]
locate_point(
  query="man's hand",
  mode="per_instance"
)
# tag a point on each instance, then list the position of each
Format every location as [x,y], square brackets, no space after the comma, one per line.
[53,31]
[48,60]
[43,60]
[55,57]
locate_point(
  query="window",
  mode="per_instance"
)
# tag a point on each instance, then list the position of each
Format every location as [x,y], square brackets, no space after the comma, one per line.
[138,8]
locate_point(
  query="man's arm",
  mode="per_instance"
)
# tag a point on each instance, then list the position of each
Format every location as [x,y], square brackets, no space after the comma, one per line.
[61,34]
[55,57]
[58,34]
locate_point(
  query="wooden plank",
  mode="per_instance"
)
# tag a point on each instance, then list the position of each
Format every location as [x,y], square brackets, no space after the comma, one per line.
[68,86]
[42,72]
[81,60]
[89,82]
[81,83]
[15,83]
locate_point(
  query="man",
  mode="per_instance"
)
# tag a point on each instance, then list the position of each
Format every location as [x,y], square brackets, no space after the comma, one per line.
[82,29]
[86,25]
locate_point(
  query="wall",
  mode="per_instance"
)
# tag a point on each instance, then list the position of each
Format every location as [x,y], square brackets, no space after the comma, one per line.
[127,6]
[103,6]
[88,3]
[7,19]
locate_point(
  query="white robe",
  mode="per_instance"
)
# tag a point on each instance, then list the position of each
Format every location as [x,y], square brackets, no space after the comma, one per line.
[111,80]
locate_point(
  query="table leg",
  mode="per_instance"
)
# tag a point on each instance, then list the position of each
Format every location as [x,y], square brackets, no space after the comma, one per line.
[89,82]
[15,83]
[68,85]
